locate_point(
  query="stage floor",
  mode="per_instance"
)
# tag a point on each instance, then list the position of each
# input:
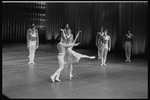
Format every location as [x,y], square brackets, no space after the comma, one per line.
[117,80]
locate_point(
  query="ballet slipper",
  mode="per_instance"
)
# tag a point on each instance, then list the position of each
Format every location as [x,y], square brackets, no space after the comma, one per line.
[29,62]
[129,60]
[105,65]
[71,76]
[52,78]
[33,63]
[57,80]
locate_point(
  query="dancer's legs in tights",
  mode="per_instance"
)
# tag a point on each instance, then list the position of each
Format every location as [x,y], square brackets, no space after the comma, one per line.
[102,56]
[32,53]
[105,56]
[70,70]
[128,51]
[61,66]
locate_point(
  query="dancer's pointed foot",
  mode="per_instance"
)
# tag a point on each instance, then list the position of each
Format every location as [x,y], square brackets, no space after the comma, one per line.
[29,62]
[129,60]
[104,64]
[126,60]
[57,80]
[92,57]
[52,78]
[71,76]
[33,63]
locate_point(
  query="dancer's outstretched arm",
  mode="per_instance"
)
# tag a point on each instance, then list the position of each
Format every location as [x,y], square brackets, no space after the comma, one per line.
[69,45]
[76,37]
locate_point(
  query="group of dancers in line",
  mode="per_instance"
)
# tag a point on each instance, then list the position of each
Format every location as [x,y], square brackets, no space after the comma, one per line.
[67,56]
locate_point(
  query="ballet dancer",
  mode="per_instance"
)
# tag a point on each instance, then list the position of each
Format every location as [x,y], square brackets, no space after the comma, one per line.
[72,56]
[61,49]
[98,43]
[32,42]
[105,47]
[128,45]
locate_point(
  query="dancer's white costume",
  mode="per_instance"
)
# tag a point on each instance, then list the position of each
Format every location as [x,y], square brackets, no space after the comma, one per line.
[106,45]
[128,43]
[32,44]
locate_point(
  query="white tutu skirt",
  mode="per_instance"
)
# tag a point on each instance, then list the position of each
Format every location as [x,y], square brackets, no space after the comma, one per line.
[72,56]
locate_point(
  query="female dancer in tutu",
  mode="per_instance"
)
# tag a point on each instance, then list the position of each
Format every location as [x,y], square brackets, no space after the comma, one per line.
[72,56]
[105,47]
[128,44]
[98,43]
[32,43]
[61,49]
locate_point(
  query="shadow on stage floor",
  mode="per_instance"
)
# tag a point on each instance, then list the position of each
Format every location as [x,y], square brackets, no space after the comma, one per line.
[117,80]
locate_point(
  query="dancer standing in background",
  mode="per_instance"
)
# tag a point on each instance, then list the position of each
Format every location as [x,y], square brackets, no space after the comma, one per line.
[32,42]
[98,41]
[105,47]
[128,44]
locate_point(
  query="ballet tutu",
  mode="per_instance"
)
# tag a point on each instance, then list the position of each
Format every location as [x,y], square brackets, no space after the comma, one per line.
[72,56]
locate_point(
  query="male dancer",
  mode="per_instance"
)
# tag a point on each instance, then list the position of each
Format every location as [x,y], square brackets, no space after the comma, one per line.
[32,42]
[98,41]
[128,44]
[105,47]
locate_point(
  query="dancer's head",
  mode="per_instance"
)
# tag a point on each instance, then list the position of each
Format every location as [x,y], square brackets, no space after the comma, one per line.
[105,31]
[101,28]
[33,26]
[129,31]
[67,26]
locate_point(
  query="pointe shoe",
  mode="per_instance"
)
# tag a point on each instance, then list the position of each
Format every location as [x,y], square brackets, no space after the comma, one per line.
[104,64]
[29,62]
[33,63]
[92,57]
[52,78]
[57,80]
[129,60]
[71,77]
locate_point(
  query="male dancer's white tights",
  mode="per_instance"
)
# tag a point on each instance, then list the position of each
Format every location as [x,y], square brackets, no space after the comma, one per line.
[104,52]
[61,66]
[32,48]
[128,50]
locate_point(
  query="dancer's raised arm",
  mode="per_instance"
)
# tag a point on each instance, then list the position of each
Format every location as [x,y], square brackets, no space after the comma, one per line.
[76,37]
[63,34]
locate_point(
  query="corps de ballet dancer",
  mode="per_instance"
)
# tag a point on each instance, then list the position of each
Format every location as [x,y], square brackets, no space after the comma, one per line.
[105,47]
[32,42]
[128,44]
[98,43]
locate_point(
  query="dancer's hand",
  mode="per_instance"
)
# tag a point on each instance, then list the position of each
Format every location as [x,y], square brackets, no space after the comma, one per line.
[79,31]
[77,44]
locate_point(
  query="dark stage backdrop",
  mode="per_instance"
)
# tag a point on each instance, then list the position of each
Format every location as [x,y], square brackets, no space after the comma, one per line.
[87,17]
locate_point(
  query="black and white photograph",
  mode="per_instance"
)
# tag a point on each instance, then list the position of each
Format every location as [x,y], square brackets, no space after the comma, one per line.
[75,49]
